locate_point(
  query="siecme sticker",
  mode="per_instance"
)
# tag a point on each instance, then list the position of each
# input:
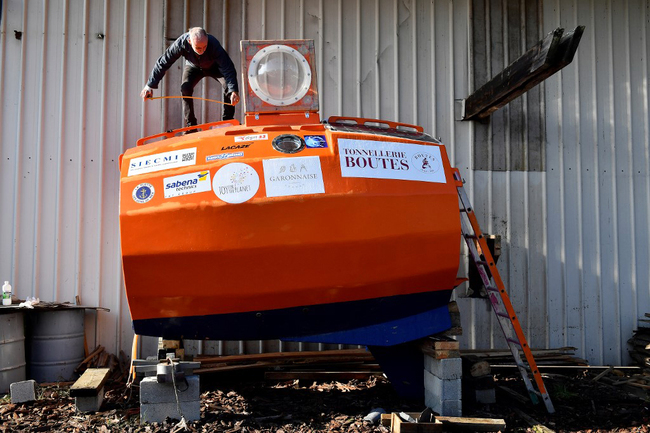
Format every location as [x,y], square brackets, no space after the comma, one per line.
[390,160]
[315,141]
[190,183]
[293,176]
[162,161]
[252,137]
[143,193]
[236,182]
[224,156]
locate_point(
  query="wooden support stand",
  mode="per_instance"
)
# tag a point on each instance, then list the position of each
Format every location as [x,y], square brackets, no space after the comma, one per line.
[88,390]
[166,347]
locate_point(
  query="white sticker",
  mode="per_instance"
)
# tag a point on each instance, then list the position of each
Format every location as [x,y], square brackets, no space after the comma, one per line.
[224,156]
[187,184]
[143,193]
[162,161]
[293,176]
[236,182]
[390,160]
[254,137]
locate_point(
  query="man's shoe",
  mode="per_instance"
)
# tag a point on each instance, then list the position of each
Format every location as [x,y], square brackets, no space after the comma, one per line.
[190,131]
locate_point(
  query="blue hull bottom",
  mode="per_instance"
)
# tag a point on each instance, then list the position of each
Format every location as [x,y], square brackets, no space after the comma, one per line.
[374,322]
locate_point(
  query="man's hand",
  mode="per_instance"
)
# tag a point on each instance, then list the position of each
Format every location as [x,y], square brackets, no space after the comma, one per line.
[147,92]
[234,98]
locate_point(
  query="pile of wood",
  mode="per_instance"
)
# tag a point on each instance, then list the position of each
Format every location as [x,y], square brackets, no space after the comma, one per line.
[640,344]
[345,364]
[639,382]
[99,358]
[545,358]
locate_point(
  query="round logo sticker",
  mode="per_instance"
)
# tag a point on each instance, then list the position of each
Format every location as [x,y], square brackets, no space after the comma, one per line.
[236,182]
[425,162]
[143,193]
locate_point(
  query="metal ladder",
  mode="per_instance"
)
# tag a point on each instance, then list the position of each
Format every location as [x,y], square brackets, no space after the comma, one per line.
[499,299]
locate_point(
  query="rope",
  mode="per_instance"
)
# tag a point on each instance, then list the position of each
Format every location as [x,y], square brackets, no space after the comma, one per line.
[191,97]
[182,424]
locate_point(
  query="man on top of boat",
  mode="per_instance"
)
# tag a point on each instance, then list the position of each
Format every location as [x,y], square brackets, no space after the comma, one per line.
[204,57]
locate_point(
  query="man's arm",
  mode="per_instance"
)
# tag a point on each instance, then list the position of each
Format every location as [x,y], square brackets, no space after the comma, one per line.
[226,67]
[164,62]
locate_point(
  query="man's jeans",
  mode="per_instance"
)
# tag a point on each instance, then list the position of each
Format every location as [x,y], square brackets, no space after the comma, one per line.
[191,76]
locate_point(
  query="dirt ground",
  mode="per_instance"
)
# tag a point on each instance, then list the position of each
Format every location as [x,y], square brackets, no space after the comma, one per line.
[245,403]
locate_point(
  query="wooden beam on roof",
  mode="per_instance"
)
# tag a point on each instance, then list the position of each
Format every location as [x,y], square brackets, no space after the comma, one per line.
[548,56]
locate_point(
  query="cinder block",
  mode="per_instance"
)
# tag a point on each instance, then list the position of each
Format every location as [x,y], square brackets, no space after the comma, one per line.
[152,392]
[443,407]
[444,389]
[486,396]
[90,404]
[158,412]
[23,391]
[449,368]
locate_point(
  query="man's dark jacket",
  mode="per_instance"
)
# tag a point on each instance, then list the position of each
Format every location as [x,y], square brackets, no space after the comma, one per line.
[214,56]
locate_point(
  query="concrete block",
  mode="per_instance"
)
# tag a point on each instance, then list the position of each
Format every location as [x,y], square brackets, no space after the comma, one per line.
[152,392]
[444,389]
[23,391]
[486,396]
[158,412]
[443,407]
[158,400]
[449,368]
[91,403]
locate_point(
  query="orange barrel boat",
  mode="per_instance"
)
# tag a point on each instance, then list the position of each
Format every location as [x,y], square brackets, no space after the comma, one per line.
[345,231]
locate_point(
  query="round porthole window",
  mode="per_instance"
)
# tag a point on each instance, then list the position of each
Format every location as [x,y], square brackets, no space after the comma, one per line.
[279,75]
[288,143]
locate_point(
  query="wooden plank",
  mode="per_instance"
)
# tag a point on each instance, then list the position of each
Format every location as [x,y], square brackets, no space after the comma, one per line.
[435,343]
[170,344]
[483,102]
[473,424]
[548,56]
[441,354]
[322,376]
[59,384]
[565,367]
[94,353]
[352,353]
[440,347]
[225,367]
[493,353]
[90,382]
[304,363]
[602,374]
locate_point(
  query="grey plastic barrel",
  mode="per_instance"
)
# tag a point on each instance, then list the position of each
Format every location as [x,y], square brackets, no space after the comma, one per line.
[56,344]
[12,350]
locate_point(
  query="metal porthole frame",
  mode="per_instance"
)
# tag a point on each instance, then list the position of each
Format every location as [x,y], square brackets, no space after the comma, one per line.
[253,81]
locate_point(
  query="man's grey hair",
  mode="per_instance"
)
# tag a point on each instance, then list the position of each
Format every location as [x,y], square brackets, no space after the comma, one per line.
[198,33]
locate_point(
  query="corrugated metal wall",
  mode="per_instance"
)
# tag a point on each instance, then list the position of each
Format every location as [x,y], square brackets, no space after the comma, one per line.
[575,254]
[70,74]
[598,180]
